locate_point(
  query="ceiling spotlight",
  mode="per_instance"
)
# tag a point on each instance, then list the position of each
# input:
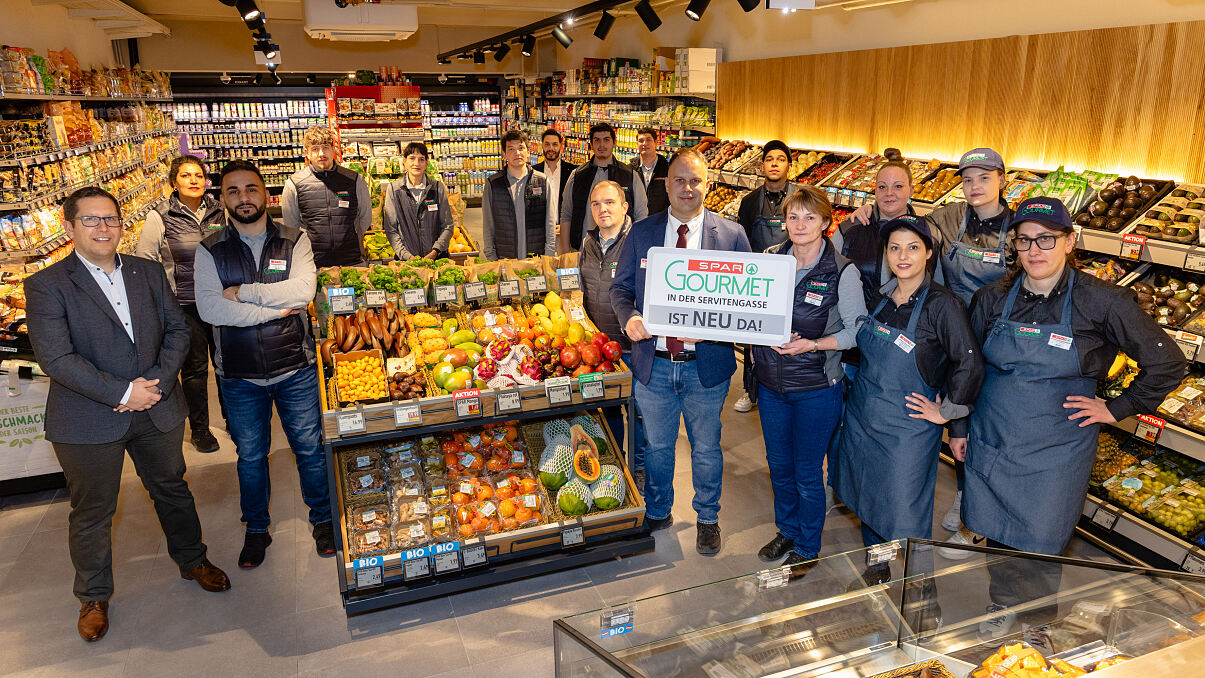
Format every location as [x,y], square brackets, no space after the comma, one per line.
[749,5]
[569,21]
[276,78]
[501,52]
[225,78]
[310,79]
[563,37]
[694,11]
[270,51]
[248,9]
[604,25]
[464,57]
[443,62]
[645,9]
[529,45]
[478,57]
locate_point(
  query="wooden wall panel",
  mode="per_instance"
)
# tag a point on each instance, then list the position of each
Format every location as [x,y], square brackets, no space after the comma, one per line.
[1129,100]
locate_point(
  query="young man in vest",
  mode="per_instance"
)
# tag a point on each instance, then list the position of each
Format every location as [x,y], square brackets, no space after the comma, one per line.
[415,211]
[555,170]
[575,202]
[253,280]
[515,219]
[650,168]
[329,202]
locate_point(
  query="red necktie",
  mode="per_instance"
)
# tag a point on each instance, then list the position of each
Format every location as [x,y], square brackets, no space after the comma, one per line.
[674,344]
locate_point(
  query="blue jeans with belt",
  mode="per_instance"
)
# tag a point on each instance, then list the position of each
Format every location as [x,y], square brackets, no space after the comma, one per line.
[797,428]
[250,409]
[672,394]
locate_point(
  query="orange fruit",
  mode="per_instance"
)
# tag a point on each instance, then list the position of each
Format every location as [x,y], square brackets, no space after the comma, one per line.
[510,524]
[507,492]
[523,514]
[461,498]
[466,531]
[464,514]
[480,524]
[506,508]
[484,492]
[527,486]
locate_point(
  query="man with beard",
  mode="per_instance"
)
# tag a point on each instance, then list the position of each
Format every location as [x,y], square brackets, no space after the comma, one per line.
[576,219]
[555,170]
[253,280]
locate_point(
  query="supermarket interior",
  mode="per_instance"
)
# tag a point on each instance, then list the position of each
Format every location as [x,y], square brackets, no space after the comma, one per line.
[481,430]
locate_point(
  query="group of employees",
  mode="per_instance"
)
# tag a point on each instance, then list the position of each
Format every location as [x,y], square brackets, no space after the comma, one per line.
[883,355]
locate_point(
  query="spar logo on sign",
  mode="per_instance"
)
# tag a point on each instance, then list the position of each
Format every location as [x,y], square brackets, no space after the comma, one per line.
[727,278]
[1029,332]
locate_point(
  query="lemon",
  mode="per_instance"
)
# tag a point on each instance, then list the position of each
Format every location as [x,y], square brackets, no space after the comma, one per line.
[553,301]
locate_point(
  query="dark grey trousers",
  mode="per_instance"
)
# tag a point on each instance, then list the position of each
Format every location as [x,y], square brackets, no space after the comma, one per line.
[93,480]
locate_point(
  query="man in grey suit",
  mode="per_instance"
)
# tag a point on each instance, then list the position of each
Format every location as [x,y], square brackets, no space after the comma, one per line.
[109,333]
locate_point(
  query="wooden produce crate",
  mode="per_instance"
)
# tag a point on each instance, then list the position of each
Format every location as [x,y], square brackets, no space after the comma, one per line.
[353,356]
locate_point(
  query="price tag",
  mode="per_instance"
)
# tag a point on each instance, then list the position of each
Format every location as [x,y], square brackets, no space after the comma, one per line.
[1132,246]
[473,555]
[570,282]
[508,401]
[414,297]
[559,391]
[343,303]
[591,386]
[447,562]
[368,572]
[407,414]
[1149,428]
[537,283]
[572,536]
[1195,261]
[374,298]
[474,291]
[1189,343]
[350,422]
[616,622]
[775,578]
[467,403]
[1104,518]
[1194,564]
[880,553]
[417,568]
[445,294]
[508,289]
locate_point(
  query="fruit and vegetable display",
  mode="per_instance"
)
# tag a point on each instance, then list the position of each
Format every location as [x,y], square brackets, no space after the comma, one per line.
[1186,405]
[461,243]
[724,153]
[801,162]
[1118,203]
[1112,457]
[365,329]
[1170,296]
[940,184]
[1181,510]
[746,155]
[719,196]
[1121,374]
[362,379]
[376,245]
[1176,217]
[860,175]
[1107,268]
[824,167]
[928,669]
[573,466]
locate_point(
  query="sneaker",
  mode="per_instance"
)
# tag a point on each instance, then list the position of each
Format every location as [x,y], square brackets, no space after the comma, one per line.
[999,625]
[255,547]
[953,518]
[204,441]
[743,404]
[659,524]
[707,541]
[324,538]
[963,537]
[795,558]
[777,548]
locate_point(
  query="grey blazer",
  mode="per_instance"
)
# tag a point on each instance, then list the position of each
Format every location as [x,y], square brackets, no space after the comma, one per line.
[81,345]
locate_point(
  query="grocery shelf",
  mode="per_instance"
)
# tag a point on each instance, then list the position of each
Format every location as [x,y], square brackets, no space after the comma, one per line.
[241,119]
[45,247]
[56,194]
[60,154]
[1174,437]
[288,145]
[1130,537]
[18,96]
[650,95]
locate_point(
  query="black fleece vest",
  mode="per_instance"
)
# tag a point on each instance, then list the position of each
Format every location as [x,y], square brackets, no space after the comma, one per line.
[535,198]
[332,229]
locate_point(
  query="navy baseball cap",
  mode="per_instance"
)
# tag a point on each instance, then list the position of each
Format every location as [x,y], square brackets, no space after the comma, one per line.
[1049,212]
[983,158]
[918,225]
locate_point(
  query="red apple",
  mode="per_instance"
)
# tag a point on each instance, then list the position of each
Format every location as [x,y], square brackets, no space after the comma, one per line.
[590,354]
[612,350]
[570,357]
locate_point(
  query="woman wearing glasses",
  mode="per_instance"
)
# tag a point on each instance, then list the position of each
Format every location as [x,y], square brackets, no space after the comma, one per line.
[1048,332]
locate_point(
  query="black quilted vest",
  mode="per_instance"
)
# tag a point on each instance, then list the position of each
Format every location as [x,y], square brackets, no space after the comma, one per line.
[332,229]
[619,173]
[182,234]
[535,197]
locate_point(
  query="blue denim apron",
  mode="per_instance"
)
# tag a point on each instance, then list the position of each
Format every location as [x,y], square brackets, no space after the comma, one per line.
[968,268]
[887,464]
[1027,463]
[767,231]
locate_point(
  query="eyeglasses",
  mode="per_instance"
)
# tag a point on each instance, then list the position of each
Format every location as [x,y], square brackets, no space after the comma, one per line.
[93,222]
[1045,242]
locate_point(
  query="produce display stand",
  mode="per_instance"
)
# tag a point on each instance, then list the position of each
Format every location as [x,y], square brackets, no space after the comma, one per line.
[438,567]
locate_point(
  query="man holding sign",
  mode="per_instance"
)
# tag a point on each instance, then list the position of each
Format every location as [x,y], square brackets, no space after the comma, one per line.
[678,377]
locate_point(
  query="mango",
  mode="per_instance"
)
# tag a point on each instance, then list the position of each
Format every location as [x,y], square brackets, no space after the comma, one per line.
[461,337]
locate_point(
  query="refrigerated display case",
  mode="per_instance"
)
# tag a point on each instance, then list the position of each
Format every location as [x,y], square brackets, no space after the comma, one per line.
[916,614]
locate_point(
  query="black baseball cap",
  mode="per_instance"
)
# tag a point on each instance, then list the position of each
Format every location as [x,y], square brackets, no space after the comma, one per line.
[918,225]
[1049,212]
[775,145]
[983,158]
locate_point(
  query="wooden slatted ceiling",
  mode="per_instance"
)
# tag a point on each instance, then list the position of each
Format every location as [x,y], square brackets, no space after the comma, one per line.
[1129,100]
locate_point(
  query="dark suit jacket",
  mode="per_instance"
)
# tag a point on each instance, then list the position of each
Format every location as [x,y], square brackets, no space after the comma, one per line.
[656,192]
[566,169]
[80,343]
[716,360]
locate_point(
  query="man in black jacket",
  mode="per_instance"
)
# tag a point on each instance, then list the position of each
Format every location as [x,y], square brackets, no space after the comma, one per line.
[515,219]
[110,335]
[329,202]
[651,168]
[575,206]
[555,170]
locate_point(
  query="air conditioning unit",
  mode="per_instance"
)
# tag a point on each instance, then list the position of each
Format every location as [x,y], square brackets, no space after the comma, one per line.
[359,23]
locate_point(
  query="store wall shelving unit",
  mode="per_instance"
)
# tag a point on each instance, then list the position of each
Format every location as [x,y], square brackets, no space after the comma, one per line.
[462,131]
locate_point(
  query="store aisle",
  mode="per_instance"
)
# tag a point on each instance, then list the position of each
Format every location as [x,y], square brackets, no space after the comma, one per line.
[285,618]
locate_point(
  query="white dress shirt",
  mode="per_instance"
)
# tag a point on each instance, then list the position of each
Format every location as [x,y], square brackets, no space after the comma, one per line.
[554,191]
[694,241]
[113,286]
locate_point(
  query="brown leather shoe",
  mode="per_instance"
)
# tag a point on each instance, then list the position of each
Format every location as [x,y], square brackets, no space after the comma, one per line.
[208,576]
[93,620]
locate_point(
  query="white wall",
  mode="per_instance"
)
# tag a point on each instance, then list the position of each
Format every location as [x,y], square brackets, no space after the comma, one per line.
[47,27]
[768,33]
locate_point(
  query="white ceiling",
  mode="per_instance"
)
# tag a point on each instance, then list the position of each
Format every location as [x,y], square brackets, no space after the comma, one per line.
[509,13]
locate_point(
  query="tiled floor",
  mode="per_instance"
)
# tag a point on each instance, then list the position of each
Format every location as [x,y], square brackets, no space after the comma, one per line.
[285,618]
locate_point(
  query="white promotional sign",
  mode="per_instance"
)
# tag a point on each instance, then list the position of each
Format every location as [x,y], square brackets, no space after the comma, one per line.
[720,296]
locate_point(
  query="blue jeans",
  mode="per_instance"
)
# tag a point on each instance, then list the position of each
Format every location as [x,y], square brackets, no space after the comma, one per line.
[250,409]
[616,421]
[797,428]
[674,393]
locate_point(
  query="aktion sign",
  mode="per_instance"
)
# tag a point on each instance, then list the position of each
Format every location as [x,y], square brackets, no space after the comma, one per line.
[721,296]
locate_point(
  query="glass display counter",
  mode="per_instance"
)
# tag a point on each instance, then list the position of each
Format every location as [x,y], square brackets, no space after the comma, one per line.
[897,610]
